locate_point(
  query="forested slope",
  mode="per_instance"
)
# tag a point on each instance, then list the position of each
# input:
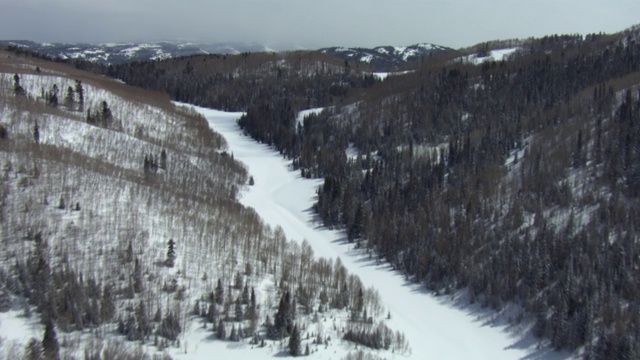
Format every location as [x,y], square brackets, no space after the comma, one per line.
[120,222]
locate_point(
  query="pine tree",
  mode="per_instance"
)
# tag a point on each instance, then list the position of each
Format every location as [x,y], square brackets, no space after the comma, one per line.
[105,115]
[238,314]
[212,313]
[142,318]
[61,203]
[50,344]
[219,294]
[282,321]
[107,308]
[137,277]
[221,332]
[69,98]
[52,96]
[163,160]
[17,88]
[171,253]
[80,91]
[3,132]
[170,326]
[245,295]
[33,350]
[36,133]
[294,342]
[234,334]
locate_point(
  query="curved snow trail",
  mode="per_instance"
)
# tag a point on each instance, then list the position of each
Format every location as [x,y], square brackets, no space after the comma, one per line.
[434,329]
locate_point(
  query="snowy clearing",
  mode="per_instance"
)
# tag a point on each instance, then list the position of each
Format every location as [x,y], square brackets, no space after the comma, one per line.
[383,75]
[304,113]
[494,55]
[434,327]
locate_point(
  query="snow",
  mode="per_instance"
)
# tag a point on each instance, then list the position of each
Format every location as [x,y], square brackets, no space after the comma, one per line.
[366,58]
[351,152]
[399,49]
[494,55]
[409,53]
[22,328]
[384,75]
[304,113]
[434,326]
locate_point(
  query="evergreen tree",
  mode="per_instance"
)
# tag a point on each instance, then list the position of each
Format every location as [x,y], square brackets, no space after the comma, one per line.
[295,342]
[89,117]
[3,132]
[245,295]
[36,133]
[137,277]
[50,344]
[142,318]
[33,350]
[17,88]
[282,321]
[171,253]
[107,307]
[69,98]
[80,91]
[238,314]
[221,331]
[219,293]
[52,96]
[163,160]
[238,283]
[234,334]
[170,327]
[212,313]
[105,115]
[61,203]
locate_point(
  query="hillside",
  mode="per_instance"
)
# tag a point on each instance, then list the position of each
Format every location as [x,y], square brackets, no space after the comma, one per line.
[515,180]
[123,238]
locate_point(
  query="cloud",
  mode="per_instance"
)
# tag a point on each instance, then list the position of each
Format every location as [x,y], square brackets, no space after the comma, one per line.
[310,23]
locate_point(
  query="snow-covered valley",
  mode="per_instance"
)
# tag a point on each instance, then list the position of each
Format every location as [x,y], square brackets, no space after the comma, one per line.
[435,327]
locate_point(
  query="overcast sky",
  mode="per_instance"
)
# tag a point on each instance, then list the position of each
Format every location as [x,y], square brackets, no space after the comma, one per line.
[310,23]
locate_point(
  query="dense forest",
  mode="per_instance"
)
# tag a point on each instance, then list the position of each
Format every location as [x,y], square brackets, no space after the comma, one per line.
[517,180]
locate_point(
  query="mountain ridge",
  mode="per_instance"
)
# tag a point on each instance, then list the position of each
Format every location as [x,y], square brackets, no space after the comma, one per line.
[121,53]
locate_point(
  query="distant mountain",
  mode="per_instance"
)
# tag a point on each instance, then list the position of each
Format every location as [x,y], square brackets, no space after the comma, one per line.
[119,53]
[385,56]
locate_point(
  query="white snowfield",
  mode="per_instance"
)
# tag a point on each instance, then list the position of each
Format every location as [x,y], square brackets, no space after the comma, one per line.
[434,327]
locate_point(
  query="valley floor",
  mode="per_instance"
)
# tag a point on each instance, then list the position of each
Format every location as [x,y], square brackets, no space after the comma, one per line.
[435,327]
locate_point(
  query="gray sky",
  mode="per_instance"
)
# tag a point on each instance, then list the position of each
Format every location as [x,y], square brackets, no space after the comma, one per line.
[310,23]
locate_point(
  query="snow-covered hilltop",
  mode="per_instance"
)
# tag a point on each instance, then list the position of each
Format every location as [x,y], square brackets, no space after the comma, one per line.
[385,56]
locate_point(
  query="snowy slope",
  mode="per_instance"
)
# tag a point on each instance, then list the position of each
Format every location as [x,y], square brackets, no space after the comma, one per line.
[494,55]
[434,327]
